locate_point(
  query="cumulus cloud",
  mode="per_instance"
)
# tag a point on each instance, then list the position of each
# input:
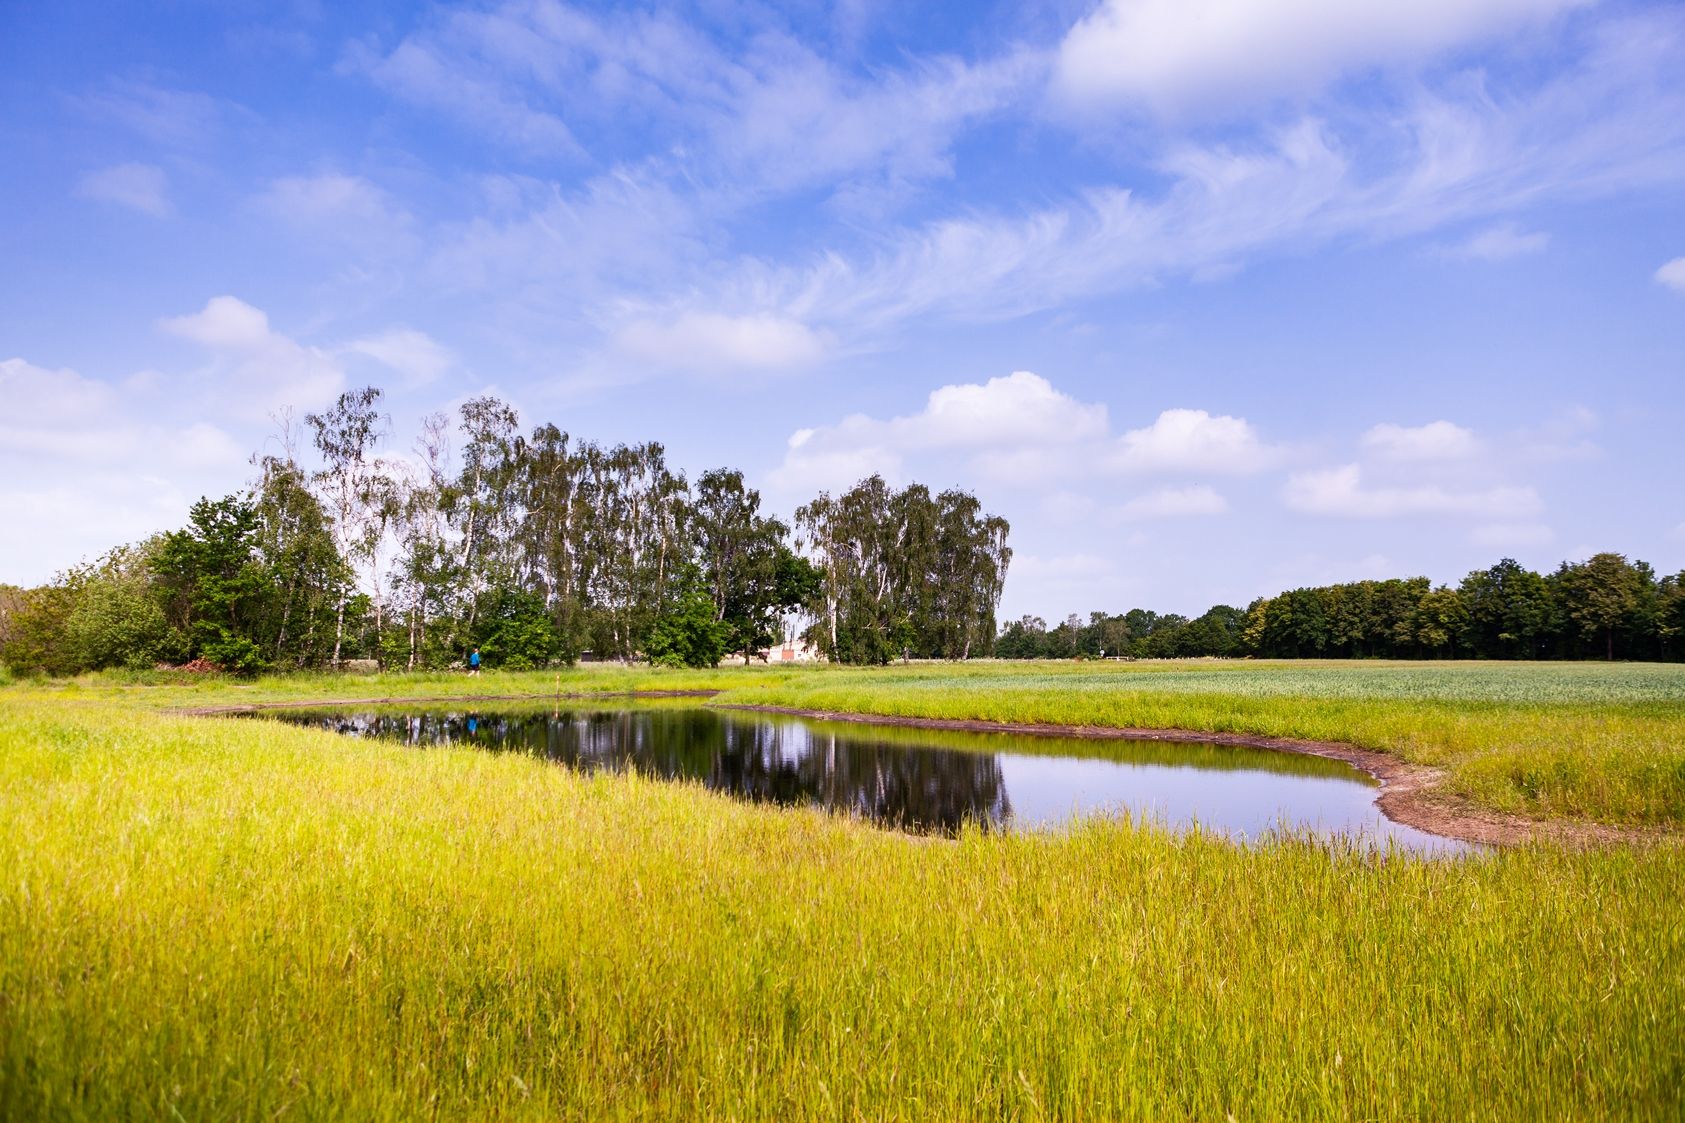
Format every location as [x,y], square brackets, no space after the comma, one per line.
[1341,492]
[1177,54]
[1174,503]
[1497,243]
[1437,440]
[254,369]
[225,322]
[1193,441]
[1019,429]
[1018,409]
[92,470]
[139,187]
[1673,274]
[1017,422]
[82,420]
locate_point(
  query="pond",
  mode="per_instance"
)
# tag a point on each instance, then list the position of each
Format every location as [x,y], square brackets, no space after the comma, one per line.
[923,780]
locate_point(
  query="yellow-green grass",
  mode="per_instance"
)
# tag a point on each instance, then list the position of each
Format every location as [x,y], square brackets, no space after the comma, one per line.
[1578,741]
[220,919]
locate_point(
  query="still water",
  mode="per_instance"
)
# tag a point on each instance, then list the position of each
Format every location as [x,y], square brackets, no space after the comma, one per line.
[918,779]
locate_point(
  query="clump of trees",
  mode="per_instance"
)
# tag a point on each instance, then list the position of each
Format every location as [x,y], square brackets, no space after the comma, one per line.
[534,547]
[1136,634]
[903,574]
[1603,608]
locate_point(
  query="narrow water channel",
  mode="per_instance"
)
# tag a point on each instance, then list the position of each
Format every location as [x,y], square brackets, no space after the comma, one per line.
[917,779]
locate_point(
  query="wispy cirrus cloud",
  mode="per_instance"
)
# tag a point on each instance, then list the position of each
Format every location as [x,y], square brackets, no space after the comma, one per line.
[1497,243]
[139,187]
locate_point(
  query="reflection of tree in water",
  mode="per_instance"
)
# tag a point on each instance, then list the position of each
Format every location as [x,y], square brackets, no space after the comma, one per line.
[772,760]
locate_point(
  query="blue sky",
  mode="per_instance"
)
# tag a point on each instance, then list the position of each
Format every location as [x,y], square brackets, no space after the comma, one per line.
[1210,298]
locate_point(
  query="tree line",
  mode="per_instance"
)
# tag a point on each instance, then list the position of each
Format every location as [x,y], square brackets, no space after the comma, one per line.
[535,548]
[1603,608]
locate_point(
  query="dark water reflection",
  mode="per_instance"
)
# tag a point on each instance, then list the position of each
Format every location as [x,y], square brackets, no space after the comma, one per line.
[918,780]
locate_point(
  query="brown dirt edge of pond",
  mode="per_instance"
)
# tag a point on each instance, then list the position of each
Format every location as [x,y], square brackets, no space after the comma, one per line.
[1408,794]
[1407,790]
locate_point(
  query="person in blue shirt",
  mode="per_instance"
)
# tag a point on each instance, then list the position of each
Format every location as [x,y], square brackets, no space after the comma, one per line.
[474,662]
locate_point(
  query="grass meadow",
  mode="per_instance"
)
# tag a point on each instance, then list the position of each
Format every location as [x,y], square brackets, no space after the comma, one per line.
[221,919]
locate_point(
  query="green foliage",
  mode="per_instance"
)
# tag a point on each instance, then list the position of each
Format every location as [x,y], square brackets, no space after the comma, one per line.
[517,634]
[751,574]
[1600,595]
[213,585]
[35,638]
[1601,608]
[115,619]
[688,635]
[902,573]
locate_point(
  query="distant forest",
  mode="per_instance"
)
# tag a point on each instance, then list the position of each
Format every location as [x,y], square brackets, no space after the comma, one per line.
[539,550]
[533,548]
[1602,608]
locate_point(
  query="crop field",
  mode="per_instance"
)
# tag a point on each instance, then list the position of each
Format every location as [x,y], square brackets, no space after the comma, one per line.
[208,918]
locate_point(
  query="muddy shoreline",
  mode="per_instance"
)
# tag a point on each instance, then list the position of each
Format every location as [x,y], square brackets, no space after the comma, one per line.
[1408,791]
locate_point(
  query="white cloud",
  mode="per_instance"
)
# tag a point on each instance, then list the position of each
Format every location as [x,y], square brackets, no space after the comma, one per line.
[172,118]
[1193,441]
[1508,535]
[778,116]
[140,187]
[1174,502]
[1497,243]
[1341,492]
[226,322]
[91,469]
[425,73]
[1014,426]
[1015,410]
[1612,120]
[306,199]
[1673,274]
[343,210]
[720,344]
[84,421]
[1177,54]
[1019,429]
[415,355]
[1563,438]
[256,371]
[1437,440]
[80,515]
[50,398]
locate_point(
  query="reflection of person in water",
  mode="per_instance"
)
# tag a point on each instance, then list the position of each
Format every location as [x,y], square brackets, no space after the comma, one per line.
[473,724]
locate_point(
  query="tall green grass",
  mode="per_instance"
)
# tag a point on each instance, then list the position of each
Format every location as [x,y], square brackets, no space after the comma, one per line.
[220,919]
